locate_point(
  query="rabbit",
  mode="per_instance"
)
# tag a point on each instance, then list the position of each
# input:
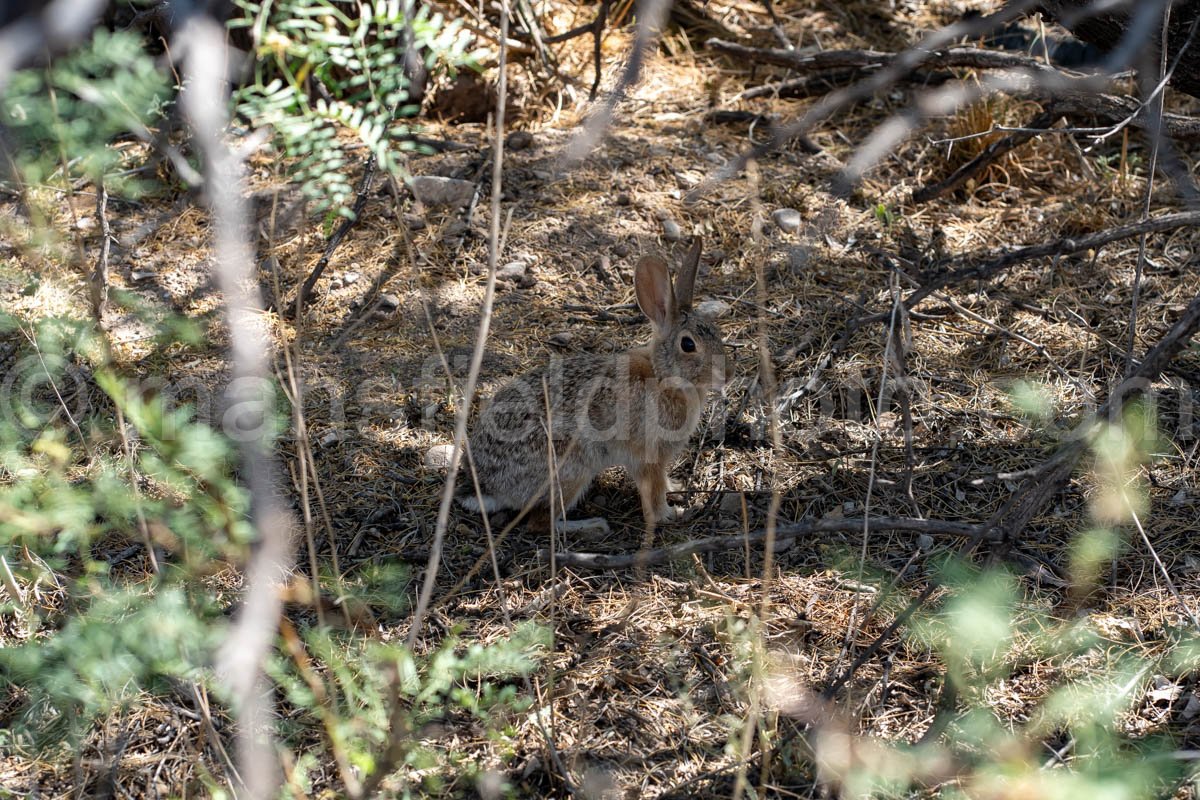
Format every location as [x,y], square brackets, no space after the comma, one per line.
[636,409]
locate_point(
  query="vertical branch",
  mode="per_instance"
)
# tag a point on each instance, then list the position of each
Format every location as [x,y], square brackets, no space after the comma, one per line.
[98,285]
[1154,134]
[485,321]
[205,100]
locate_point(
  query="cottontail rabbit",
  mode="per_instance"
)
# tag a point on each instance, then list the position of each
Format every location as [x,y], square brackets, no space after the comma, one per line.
[636,409]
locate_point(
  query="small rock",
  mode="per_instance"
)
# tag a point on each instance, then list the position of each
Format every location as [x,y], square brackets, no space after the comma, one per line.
[624,199]
[621,250]
[85,223]
[924,542]
[712,308]
[414,222]
[389,302]
[561,339]
[519,140]
[433,190]
[786,219]
[332,437]
[438,456]
[350,277]
[731,503]
[139,275]
[671,230]
[335,283]
[512,271]
[527,281]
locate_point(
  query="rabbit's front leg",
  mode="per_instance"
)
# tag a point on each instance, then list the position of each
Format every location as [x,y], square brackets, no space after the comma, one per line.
[652,487]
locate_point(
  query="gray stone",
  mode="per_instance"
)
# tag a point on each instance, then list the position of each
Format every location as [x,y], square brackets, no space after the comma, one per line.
[561,339]
[518,140]
[350,277]
[786,219]
[389,302]
[512,271]
[433,190]
[438,456]
[671,230]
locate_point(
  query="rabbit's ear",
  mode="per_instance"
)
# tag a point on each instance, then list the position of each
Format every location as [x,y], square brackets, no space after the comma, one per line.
[652,282]
[685,281]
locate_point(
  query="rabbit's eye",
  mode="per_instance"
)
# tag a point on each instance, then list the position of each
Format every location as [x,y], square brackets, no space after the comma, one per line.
[687,345]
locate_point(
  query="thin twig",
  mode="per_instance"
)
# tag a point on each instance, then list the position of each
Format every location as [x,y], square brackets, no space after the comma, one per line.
[240,660]
[360,202]
[993,151]
[784,535]
[485,319]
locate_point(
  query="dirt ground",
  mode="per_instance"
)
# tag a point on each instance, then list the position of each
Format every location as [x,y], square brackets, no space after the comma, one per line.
[644,689]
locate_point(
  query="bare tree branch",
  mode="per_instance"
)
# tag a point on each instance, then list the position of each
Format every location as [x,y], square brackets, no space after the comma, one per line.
[249,395]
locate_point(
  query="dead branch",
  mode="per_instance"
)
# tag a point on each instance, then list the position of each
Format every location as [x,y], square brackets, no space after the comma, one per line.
[988,265]
[206,100]
[900,66]
[360,202]
[783,534]
[651,15]
[993,151]
[965,57]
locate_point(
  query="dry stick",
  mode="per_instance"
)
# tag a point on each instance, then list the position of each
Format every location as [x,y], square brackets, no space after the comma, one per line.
[966,57]
[900,65]
[1162,568]
[343,228]
[986,265]
[1155,135]
[1039,488]
[241,656]
[888,357]
[990,153]
[485,320]
[784,535]
[597,37]
[98,285]
[650,18]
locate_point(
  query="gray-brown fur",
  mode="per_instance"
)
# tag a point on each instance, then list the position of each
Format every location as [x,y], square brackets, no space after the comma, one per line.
[635,409]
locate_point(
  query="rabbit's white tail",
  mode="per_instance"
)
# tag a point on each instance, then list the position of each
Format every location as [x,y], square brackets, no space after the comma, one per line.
[471,503]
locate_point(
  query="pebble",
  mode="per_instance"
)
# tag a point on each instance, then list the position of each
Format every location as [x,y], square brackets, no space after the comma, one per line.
[519,140]
[433,190]
[786,219]
[139,275]
[350,277]
[671,230]
[623,199]
[561,339]
[512,271]
[414,222]
[438,456]
[389,302]
[621,250]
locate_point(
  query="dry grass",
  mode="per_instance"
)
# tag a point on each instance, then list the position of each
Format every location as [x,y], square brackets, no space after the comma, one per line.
[654,701]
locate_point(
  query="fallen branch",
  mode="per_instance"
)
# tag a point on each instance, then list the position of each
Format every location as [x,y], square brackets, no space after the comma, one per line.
[988,265]
[993,151]
[966,57]
[360,202]
[783,534]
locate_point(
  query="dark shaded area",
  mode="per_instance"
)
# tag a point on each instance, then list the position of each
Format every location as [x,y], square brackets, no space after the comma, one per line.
[1105,31]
